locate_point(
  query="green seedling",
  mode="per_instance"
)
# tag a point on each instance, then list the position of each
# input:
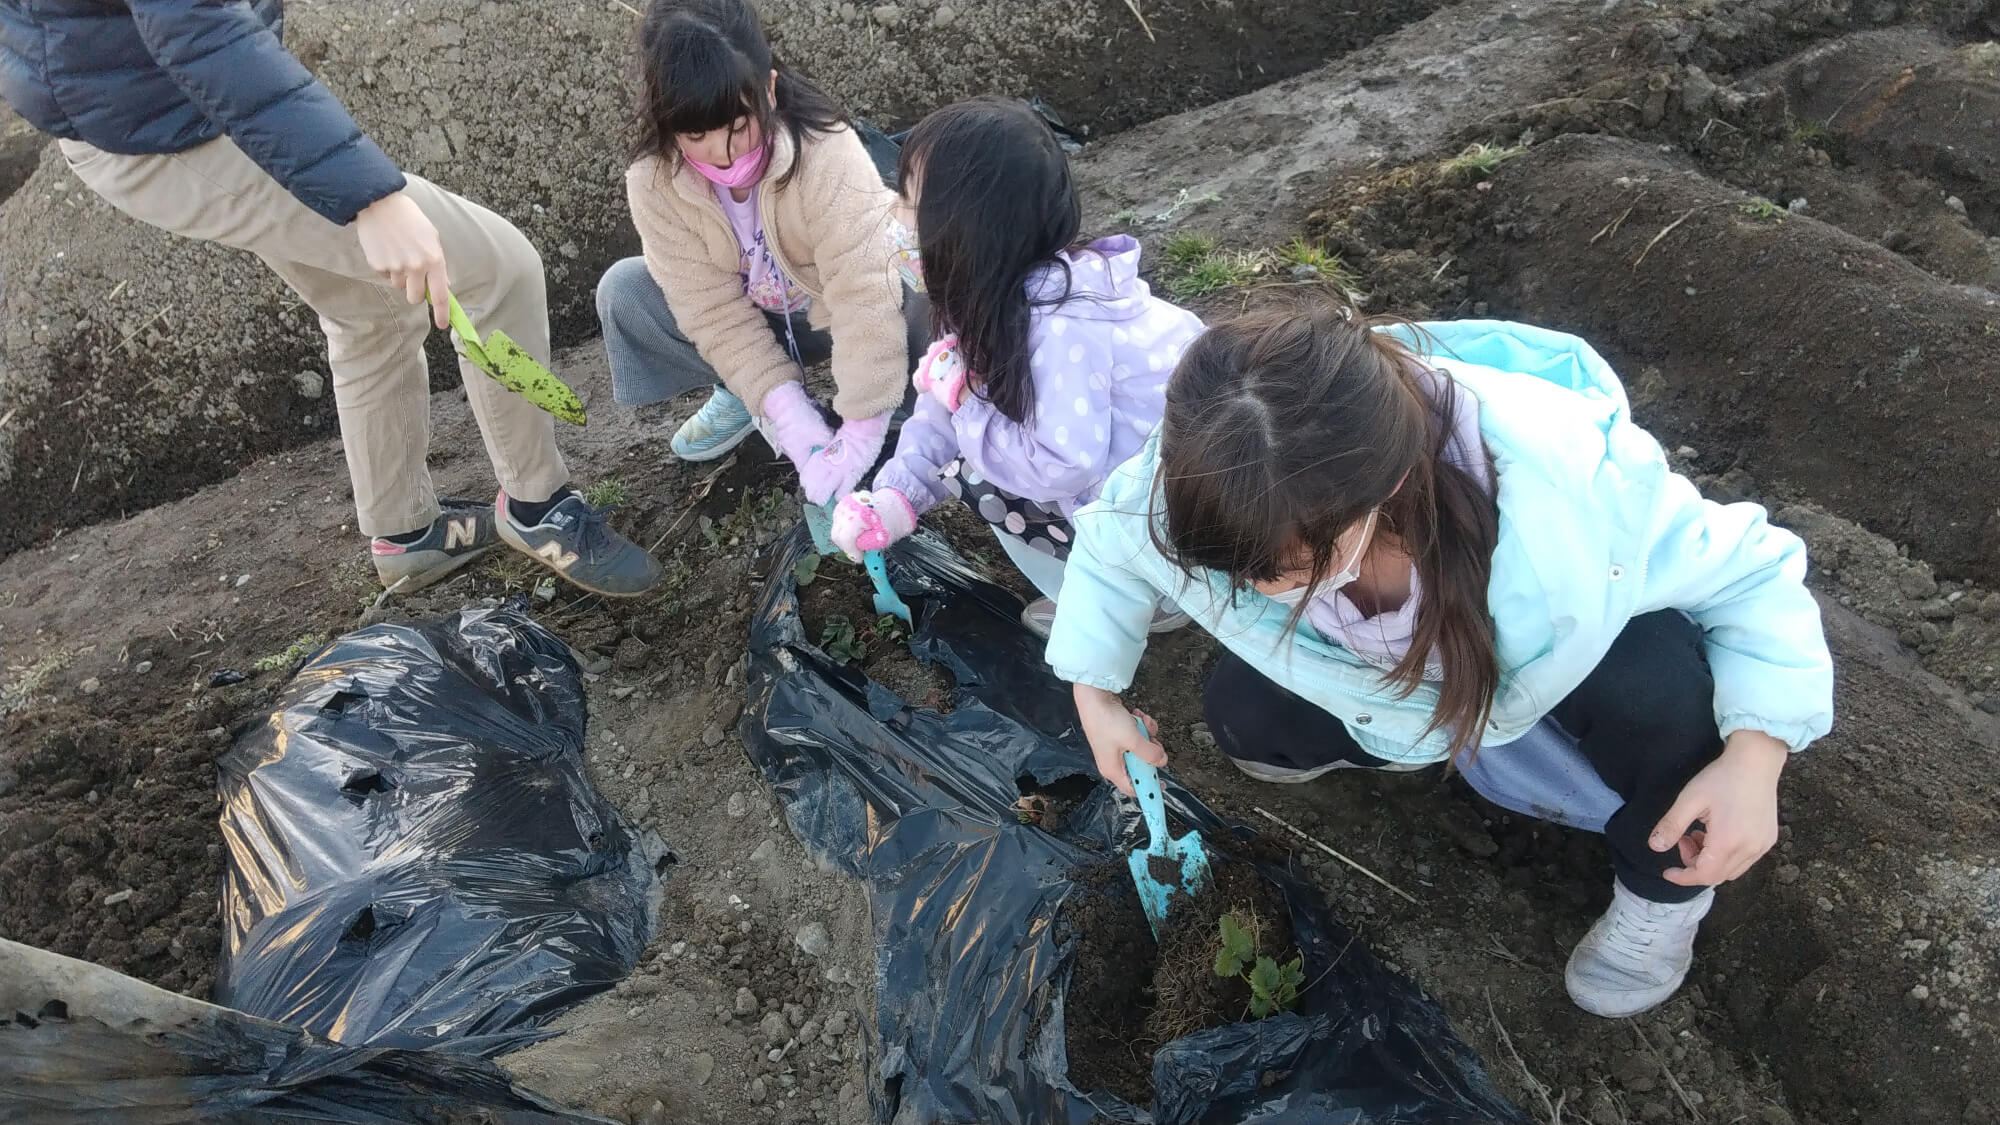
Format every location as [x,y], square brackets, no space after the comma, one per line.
[838,640]
[299,650]
[1273,987]
[514,369]
[1188,249]
[805,570]
[1761,208]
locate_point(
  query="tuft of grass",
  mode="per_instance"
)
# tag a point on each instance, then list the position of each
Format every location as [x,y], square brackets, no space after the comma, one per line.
[1479,161]
[25,681]
[607,493]
[1761,208]
[1314,256]
[1805,131]
[300,649]
[1197,267]
[1188,249]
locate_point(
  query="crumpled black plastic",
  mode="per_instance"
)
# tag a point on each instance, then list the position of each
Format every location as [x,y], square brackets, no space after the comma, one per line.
[964,898]
[231,1068]
[416,855]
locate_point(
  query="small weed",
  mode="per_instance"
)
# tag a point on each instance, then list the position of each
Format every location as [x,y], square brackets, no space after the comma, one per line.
[1126,218]
[1806,132]
[26,681]
[1186,201]
[607,493]
[1199,268]
[1273,987]
[1478,162]
[888,629]
[1314,256]
[1761,208]
[299,650]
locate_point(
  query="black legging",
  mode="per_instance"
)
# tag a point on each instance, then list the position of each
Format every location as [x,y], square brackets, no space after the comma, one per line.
[1644,719]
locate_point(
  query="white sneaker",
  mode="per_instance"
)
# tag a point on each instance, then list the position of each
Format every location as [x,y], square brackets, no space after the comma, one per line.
[1636,955]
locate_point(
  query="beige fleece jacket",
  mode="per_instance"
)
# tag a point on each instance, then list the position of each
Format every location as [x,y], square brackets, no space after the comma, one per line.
[828,228]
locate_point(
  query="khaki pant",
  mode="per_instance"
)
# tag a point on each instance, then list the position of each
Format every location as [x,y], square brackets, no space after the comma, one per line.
[375,339]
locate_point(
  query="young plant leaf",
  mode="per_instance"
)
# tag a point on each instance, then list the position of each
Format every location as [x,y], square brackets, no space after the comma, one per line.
[805,570]
[1261,1006]
[1239,946]
[1265,980]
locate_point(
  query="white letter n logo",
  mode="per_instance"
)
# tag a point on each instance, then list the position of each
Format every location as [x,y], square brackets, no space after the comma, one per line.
[553,554]
[461,533]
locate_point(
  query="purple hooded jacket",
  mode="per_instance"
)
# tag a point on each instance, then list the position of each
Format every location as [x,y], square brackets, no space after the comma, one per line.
[1100,362]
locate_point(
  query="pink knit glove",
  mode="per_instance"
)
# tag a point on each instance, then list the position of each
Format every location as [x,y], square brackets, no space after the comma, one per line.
[795,422]
[837,468]
[870,521]
[942,374]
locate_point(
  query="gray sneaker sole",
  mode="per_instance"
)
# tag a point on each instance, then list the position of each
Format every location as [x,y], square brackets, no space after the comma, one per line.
[408,579]
[505,529]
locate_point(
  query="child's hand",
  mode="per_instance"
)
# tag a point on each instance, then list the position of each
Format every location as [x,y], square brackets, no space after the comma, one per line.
[402,245]
[838,467]
[942,374]
[1112,734]
[870,521]
[1736,799]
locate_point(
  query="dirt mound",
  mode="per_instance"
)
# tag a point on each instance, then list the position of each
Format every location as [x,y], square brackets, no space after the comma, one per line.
[1811,358]
[20,150]
[108,844]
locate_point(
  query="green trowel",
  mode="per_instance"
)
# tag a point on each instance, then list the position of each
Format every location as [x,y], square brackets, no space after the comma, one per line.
[514,369]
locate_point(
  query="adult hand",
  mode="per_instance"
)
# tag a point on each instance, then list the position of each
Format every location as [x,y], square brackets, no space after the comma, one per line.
[402,245]
[1736,799]
[1112,734]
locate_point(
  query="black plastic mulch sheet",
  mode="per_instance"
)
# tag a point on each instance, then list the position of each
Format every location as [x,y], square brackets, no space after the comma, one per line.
[233,1069]
[970,978]
[416,856]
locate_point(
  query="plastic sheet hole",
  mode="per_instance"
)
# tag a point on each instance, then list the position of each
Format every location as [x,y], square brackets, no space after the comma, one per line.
[363,927]
[53,1010]
[340,702]
[365,783]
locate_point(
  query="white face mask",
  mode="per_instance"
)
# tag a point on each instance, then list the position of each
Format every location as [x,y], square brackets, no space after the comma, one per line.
[1292,598]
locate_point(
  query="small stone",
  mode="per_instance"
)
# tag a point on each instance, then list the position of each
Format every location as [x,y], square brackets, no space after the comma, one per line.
[739,806]
[242,580]
[702,1067]
[1825,905]
[1937,609]
[91,686]
[775,1028]
[813,940]
[141,668]
[1955,203]
[774,1056]
[632,654]
[888,15]
[712,737]
[836,1026]
[1202,737]
[1797,206]
[758,1091]
[309,384]
[656,1114]
[746,1002]
[1916,583]
[809,1034]
[118,897]
[944,17]
[765,851]
[1788,873]
[1919,994]
[795,1015]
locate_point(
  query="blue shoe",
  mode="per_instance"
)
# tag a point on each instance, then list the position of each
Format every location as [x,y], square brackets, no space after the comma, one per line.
[718,427]
[576,541]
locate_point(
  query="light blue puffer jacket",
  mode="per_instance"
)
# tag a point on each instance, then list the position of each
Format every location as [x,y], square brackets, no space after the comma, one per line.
[1595,529]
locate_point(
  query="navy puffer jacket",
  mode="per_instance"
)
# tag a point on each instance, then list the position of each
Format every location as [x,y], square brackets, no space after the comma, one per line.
[162,76]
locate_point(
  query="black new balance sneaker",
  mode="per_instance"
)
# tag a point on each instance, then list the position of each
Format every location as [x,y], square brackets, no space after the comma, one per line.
[462,533]
[575,540]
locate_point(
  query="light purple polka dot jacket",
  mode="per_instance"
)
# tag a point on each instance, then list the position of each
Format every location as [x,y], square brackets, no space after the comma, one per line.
[1100,361]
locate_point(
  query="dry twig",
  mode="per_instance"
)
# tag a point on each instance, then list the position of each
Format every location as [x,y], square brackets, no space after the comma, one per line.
[1611,227]
[1669,229]
[1141,17]
[1541,1089]
[701,493]
[1300,833]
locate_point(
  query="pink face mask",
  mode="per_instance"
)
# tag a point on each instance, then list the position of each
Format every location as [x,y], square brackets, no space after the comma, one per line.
[743,172]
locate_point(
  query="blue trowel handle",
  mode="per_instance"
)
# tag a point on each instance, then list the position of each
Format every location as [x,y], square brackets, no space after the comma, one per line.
[886,598]
[1152,799]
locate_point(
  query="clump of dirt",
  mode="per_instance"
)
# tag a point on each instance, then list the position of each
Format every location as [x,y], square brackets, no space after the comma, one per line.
[838,608]
[1130,995]
[108,844]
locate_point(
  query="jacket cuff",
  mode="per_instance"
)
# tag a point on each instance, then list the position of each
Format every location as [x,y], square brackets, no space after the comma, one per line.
[1796,736]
